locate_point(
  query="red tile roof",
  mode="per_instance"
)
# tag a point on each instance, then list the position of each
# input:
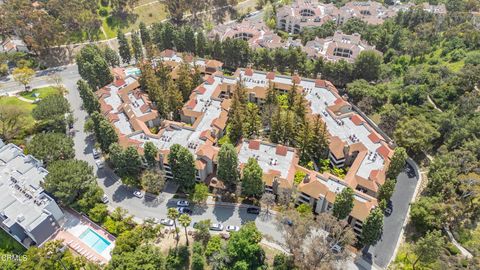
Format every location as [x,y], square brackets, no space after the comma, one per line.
[374,137]
[119,83]
[249,72]
[320,83]
[296,79]
[201,90]
[191,103]
[356,119]
[384,151]
[210,80]
[254,145]
[271,75]
[281,150]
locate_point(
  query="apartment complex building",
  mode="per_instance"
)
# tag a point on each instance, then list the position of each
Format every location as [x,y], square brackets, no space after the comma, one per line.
[203,117]
[353,142]
[304,13]
[339,46]
[294,18]
[252,30]
[27,213]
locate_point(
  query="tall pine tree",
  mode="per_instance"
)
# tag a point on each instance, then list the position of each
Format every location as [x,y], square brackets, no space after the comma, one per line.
[124,47]
[137,47]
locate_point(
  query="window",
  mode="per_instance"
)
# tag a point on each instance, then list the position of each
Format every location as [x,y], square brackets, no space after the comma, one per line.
[341,52]
[307,12]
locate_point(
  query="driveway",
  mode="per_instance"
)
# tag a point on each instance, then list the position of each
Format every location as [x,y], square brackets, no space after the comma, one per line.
[156,207]
[383,251]
[153,207]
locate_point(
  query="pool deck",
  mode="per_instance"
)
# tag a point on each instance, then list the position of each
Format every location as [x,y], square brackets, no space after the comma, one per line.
[73,226]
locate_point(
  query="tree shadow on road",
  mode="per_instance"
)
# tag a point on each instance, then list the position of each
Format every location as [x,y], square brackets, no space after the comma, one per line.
[223,213]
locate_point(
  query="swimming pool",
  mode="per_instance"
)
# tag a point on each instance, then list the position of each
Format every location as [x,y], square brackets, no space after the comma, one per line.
[133,71]
[94,240]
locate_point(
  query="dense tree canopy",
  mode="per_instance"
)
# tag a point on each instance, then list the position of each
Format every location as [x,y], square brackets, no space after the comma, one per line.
[182,163]
[93,67]
[50,147]
[73,183]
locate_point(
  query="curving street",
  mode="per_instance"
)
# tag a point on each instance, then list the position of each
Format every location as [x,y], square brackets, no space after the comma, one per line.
[156,207]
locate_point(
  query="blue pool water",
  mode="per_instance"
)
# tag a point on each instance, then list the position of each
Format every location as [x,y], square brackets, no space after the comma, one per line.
[133,71]
[95,241]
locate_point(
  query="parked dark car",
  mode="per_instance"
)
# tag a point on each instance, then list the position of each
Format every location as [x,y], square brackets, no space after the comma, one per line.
[253,210]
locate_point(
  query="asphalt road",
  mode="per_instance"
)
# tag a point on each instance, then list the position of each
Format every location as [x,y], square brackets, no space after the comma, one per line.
[383,251]
[141,208]
[122,195]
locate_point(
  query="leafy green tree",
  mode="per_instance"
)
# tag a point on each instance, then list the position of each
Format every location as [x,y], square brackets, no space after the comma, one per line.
[173,215]
[416,135]
[51,107]
[282,262]
[252,183]
[143,257]
[185,80]
[52,256]
[144,33]
[185,220]
[73,183]
[397,162]
[137,47]
[429,213]
[428,248]
[198,262]
[98,213]
[368,65]
[12,120]
[152,181]
[23,75]
[124,47]
[243,247]
[50,147]
[93,67]
[386,190]
[252,124]
[182,163]
[111,57]
[200,193]
[189,37]
[214,245]
[90,100]
[200,44]
[343,204]
[202,232]
[150,153]
[104,131]
[227,169]
[127,162]
[372,227]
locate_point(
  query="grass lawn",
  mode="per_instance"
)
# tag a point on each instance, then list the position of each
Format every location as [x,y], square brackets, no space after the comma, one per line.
[43,92]
[29,122]
[147,14]
[8,244]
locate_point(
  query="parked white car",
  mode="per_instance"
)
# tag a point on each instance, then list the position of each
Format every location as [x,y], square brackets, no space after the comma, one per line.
[138,194]
[105,198]
[183,203]
[100,164]
[166,222]
[232,228]
[216,227]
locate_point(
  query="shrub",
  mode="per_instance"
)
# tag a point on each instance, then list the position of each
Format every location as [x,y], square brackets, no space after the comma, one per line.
[299,176]
[103,12]
[105,3]
[452,249]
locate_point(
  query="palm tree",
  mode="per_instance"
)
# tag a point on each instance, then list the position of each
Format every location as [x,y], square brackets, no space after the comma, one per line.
[185,220]
[173,215]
